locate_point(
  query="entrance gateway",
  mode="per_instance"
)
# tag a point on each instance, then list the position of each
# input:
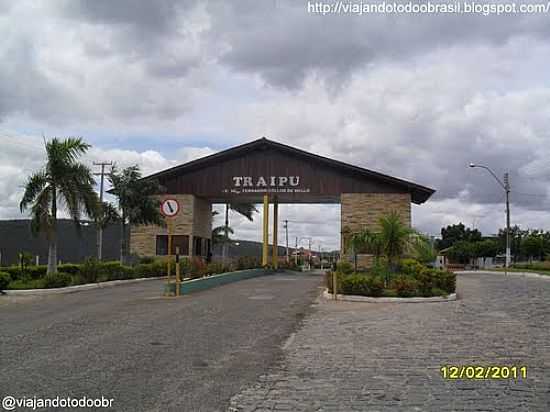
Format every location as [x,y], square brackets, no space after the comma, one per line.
[266,172]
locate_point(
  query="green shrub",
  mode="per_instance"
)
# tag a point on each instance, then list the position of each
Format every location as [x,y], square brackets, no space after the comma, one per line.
[71,268]
[439,292]
[56,280]
[405,286]
[354,285]
[88,271]
[389,293]
[358,284]
[29,272]
[147,259]
[425,279]
[13,271]
[114,271]
[375,285]
[445,280]
[5,279]
[26,283]
[344,267]
[247,262]
[410,266]
[214,268]
[197,268]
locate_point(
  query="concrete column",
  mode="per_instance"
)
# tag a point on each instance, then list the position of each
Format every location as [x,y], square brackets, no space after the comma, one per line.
[275,257]
[265,250]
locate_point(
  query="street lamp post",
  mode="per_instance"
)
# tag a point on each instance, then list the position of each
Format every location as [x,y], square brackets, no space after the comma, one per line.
[506,186]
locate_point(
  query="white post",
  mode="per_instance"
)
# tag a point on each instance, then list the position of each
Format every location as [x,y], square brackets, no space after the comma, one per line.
[37,260]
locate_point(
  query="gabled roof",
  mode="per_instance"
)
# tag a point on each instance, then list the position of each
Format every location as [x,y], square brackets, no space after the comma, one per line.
[419,193]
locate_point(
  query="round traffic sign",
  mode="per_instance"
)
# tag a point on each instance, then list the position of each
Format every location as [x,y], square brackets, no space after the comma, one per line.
[169,207]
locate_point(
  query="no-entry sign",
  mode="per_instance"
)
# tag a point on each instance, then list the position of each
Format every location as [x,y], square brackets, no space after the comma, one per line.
[169,207]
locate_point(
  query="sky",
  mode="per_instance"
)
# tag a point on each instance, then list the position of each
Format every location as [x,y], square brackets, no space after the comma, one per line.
[417,96]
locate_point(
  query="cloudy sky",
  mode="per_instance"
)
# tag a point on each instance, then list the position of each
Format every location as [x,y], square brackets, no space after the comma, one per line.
[160,83]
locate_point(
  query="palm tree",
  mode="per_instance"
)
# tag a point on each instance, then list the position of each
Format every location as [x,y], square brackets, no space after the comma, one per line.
[65,182]
[136,203]
[219,234]
[365,241]
[396,238]
[245,209]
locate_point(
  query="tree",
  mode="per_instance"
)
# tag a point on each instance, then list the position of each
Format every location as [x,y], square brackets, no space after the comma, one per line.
[516,236]
[220,234]
[461,251]
[136,202]
[107,215]
[245,209]
[454,233]
[65,182]
[533,245]
[424,250]
[396,238]
[364,241]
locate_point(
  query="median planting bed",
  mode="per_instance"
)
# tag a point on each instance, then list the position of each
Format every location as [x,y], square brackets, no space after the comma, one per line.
[409,279]
[92,271]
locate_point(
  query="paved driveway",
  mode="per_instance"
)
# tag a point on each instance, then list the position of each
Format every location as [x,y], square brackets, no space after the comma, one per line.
[373,357]
[146,352]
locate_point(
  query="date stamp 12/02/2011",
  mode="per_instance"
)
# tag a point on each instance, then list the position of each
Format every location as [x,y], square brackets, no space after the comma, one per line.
[483,372]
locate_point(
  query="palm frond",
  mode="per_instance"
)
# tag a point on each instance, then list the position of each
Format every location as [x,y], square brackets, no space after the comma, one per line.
[245,209]
[41,218]
[35,184]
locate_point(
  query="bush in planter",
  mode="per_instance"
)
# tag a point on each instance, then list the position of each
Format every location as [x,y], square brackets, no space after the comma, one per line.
[439,292]
[214,268]
[375,285]
[114,271]
[411,267]
[358,284]
[354,285]
[405,286]
[56,280]
[344,267]
[5,279]
[89,270]
[197,268]
[247,262]
[71,268]
[445,280]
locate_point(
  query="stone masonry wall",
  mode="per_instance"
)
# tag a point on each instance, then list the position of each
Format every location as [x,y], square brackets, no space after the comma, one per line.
[360,210]
[194,218]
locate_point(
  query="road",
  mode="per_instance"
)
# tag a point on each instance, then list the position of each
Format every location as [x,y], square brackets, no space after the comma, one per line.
[387,357]
[146,352]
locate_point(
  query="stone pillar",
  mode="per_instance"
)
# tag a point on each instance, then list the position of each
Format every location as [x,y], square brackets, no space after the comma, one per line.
[193,219]
[364,210]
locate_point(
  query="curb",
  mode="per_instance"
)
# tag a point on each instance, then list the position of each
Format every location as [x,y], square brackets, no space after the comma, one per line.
[494,272]
[368,299]
[77,288]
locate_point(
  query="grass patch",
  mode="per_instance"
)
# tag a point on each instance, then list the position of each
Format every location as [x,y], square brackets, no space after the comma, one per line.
[538,271]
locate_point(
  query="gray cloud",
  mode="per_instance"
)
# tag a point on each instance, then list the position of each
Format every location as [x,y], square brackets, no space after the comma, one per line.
[283,42]
[413,96]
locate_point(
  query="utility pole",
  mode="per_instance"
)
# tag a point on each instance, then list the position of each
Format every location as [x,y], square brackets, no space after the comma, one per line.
[286,230]
[506,186]
[309,257]
[296,252]
[508,249]
[99,229]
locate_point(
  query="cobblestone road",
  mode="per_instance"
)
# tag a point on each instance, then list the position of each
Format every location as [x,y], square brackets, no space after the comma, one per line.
[380,357]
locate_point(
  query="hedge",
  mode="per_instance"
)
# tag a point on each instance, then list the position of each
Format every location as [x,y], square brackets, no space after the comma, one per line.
[413,279]
[91,271]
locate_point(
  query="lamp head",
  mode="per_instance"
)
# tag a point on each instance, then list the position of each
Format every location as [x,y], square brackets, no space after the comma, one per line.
[472,165]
